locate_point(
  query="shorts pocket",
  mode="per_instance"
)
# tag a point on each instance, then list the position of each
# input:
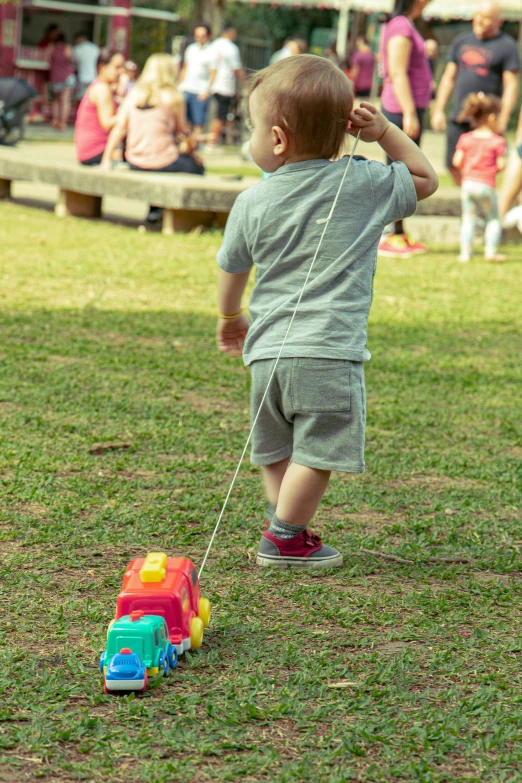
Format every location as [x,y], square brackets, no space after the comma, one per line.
[321,385]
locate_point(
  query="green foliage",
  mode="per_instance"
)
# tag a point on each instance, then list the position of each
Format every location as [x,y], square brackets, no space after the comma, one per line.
[276,24]
[147,37]
[121,426]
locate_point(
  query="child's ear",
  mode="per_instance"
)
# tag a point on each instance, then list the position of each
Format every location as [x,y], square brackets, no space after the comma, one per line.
[279,140]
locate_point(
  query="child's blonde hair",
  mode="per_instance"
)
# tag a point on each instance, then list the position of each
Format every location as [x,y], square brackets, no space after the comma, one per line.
[158,75]
[310,98]
[477,107]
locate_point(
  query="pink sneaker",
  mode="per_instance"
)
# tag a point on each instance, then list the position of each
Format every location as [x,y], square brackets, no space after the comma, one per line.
[305,550]
[394,246]
[415,247]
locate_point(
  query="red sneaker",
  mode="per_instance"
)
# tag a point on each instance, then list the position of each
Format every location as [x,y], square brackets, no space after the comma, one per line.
[305,550]
[394,246]
[415,247]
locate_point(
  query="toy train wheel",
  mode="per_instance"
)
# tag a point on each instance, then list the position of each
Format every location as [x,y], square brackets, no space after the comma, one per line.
[172,654]
[163,663]
[197,630]
[204,611]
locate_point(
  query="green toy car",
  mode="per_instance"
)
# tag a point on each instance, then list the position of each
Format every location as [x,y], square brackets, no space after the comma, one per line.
[138,646]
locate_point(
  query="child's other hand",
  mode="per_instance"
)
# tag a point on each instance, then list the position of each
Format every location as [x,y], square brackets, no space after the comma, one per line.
[231,333]
[369,120]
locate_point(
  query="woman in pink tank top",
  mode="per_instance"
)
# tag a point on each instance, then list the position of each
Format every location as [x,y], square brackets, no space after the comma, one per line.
[151,118]
[406,94]
[96,114]
[61,75]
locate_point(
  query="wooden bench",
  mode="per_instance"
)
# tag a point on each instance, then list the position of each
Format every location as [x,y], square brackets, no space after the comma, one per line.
[189,201]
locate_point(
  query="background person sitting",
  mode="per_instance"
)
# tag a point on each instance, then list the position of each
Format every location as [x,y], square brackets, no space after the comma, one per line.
[127,79]
[97,111]
[151,117]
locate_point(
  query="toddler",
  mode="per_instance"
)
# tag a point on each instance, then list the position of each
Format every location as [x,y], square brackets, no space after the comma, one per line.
[479,155]
[312,421]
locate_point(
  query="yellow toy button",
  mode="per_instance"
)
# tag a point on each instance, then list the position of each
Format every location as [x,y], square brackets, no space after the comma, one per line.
[154,568]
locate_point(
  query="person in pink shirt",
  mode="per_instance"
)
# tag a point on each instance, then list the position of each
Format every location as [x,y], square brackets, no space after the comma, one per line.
[405,96]
[479,156]
[96,114]
[154,123]
[62,78]
[362,65]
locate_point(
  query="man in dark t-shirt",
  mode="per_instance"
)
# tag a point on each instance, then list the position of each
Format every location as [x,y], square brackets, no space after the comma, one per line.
[485,60]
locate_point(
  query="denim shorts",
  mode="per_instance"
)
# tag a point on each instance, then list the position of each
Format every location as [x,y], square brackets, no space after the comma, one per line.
[67,84]
[315,412]
[196,109]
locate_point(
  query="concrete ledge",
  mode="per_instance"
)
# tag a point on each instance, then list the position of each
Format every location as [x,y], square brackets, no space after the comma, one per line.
[174,191]
[189,200]
[444,203]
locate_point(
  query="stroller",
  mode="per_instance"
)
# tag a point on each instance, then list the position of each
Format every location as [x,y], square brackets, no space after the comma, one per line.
[15,97]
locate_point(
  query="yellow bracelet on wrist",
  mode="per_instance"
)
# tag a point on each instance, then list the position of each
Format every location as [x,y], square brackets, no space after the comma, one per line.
[229,317]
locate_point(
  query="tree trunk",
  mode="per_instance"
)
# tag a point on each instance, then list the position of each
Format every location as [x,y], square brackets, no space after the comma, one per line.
[212,13]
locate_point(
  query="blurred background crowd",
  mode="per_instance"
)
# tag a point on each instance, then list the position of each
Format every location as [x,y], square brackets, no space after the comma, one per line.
[160,86]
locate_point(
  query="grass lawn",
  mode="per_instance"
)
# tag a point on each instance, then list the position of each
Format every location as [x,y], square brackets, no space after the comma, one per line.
[121,426]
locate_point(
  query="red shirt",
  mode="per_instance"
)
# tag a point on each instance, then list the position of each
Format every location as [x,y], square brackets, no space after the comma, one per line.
[480,157]
[89,137]
[365,62]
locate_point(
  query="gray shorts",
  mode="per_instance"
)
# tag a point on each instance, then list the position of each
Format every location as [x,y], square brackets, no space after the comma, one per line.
[315,412]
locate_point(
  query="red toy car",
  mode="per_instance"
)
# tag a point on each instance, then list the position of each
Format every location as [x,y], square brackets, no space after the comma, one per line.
[167,586]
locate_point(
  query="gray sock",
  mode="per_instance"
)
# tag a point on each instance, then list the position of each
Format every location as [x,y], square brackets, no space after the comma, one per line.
[269,511]
[282,529]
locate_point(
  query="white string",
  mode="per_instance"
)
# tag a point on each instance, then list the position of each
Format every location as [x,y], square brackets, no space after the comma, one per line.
[324,221]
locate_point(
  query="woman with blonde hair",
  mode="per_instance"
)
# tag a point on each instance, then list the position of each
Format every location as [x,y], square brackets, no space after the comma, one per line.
[152,118]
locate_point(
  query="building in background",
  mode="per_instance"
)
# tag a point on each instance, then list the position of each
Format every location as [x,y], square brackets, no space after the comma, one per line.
[23,24]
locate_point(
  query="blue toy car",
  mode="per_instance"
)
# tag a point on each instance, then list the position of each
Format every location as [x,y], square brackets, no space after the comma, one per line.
[125,672]
[138,647]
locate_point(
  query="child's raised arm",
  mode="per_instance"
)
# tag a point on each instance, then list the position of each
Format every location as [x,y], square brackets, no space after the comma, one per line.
[375,127]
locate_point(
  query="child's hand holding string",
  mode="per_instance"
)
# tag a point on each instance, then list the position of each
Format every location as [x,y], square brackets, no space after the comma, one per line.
[374,126]
[369,121]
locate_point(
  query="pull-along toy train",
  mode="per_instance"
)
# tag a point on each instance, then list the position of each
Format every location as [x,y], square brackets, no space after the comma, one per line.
[160,613]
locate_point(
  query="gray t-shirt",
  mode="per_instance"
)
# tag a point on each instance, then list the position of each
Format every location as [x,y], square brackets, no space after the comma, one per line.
[273,225]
